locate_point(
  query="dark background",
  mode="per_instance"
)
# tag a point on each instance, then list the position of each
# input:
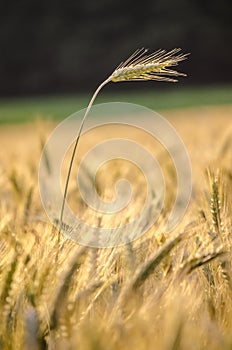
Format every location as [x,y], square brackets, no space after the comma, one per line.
[71,46]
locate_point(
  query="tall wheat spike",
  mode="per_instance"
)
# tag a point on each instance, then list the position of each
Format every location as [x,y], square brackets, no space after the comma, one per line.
[139,66]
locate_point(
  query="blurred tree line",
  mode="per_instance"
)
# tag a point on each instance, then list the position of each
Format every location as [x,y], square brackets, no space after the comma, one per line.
[65,46]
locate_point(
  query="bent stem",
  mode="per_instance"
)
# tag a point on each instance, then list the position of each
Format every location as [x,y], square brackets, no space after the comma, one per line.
[75,149]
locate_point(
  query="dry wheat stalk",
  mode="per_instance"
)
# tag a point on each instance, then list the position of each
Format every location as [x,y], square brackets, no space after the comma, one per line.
[139,66]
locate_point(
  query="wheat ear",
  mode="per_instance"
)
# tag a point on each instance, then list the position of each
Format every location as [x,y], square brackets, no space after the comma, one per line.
[139,66]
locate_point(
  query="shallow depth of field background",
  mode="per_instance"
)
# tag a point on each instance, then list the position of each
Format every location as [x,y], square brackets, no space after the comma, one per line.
[163,291]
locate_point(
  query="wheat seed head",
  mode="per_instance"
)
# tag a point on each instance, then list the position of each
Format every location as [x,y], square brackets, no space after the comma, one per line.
[155,66]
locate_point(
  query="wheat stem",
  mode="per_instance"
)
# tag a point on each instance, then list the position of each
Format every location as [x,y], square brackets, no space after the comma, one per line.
[75,148]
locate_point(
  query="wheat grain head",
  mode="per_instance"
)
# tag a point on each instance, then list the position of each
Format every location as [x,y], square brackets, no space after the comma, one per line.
[140,66]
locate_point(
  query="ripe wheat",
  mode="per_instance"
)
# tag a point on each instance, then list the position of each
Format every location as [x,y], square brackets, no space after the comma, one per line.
[139,66]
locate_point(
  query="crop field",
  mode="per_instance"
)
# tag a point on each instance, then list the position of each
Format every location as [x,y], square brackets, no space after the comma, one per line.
[165,290]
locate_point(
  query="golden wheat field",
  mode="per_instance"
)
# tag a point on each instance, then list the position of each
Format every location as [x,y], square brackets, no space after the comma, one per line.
[162,291]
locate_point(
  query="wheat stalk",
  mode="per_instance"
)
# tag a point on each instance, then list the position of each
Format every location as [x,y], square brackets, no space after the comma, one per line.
[139,66]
